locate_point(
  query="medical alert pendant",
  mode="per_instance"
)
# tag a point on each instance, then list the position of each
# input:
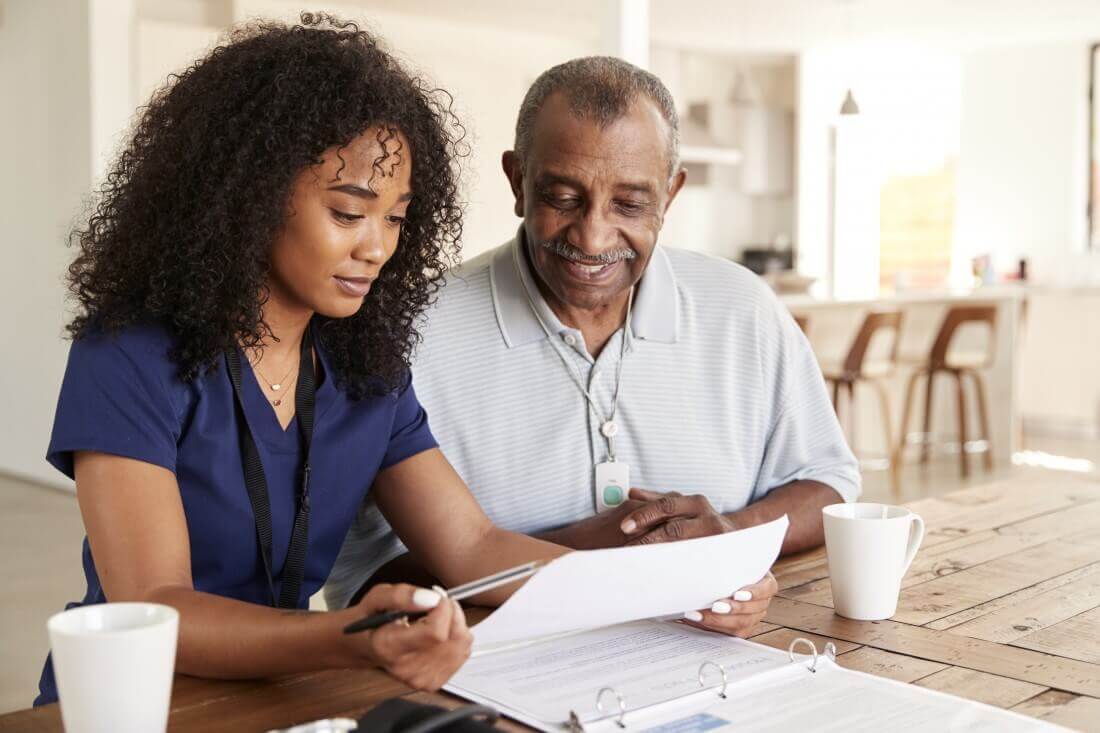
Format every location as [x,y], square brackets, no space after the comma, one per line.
[612,484]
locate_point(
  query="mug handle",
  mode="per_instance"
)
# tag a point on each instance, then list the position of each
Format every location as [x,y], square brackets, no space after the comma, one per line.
[915,538]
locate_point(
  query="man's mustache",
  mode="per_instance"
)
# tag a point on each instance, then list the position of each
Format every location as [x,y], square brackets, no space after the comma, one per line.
[569,252]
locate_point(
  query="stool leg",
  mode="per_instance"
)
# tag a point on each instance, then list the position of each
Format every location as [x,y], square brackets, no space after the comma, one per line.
[926,443]
[906,408]
[852,416]
[884,405]
[983,417]
[963,463]
[842,420]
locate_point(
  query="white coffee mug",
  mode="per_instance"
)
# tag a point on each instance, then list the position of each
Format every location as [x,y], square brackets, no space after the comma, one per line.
[113,663]
[870,548]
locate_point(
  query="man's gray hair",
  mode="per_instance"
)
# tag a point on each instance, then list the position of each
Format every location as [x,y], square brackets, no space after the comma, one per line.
[600,89]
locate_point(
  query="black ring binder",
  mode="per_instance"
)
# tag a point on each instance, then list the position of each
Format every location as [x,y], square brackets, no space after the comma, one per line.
[574,724]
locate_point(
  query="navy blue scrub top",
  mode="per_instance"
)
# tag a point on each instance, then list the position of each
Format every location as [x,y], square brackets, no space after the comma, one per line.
[122,395]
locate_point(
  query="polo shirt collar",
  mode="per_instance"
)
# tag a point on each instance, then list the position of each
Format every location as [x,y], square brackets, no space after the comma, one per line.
[656,313]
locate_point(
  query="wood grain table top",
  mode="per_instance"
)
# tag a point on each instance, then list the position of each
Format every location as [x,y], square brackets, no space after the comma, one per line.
[1001,605]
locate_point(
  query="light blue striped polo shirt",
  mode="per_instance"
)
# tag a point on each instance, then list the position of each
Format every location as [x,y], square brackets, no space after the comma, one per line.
[721,396]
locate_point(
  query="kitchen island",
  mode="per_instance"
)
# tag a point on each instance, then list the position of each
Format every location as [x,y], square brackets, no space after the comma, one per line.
[1045,374]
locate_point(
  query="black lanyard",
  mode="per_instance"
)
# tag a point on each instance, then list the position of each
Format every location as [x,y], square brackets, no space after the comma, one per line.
[256,482]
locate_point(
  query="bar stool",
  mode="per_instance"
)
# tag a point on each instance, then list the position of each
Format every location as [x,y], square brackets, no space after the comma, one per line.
[858,368]
[959,365]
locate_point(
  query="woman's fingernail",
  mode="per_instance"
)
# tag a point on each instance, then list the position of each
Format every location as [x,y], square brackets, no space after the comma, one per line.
[693,616]
[426,598]
[742,595]
[721,607]
[629,526]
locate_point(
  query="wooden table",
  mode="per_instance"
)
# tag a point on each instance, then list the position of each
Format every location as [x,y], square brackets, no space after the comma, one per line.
[1002,605]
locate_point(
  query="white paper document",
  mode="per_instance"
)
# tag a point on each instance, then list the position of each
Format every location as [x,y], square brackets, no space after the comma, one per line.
[647,662]
[582,630]
[595,588]
[654,666]
[833,700]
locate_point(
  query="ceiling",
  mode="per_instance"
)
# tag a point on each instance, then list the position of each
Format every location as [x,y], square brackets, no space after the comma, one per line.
[791,25]
[797,24]
[726,26]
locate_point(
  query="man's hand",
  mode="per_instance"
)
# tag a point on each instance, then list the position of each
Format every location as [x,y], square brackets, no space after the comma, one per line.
[739,614]
[672,517]
[597,532]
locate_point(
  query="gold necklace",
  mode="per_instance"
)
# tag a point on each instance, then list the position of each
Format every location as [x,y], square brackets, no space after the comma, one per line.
[274,386]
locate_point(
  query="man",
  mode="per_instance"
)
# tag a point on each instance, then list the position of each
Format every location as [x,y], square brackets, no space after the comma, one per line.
[710,408]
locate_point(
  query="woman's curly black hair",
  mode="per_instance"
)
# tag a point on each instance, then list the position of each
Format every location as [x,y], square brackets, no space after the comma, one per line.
[182,228]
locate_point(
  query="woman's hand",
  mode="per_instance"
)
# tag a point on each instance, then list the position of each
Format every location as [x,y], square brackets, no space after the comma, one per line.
[423,654]
[738,614]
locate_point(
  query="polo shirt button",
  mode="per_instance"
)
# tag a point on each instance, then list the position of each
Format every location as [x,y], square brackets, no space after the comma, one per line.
[570,339]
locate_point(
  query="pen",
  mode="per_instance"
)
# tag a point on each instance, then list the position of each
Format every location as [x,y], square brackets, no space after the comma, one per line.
[455,594]
[329,725]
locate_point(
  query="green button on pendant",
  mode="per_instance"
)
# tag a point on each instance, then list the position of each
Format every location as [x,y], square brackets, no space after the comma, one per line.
[612,495]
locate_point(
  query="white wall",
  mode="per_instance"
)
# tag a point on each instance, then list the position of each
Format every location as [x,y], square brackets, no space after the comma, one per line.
[46,173]
[165,47]
[112,36]
[1023,163]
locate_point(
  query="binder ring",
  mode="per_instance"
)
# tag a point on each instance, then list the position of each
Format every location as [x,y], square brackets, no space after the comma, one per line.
[725,681]
[800,641]
[622,704]
[830,651]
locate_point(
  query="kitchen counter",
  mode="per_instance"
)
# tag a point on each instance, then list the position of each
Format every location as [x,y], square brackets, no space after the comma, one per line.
[832,326]
[985,293]
[1046,369]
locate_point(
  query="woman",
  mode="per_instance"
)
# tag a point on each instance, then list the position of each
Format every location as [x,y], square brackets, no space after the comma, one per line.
[248,287]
